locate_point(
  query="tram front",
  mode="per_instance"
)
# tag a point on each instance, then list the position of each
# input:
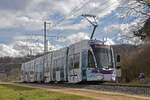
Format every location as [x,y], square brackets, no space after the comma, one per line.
[100,62]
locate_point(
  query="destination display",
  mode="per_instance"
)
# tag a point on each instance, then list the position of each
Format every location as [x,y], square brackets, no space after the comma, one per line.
[100,46]
[98,42]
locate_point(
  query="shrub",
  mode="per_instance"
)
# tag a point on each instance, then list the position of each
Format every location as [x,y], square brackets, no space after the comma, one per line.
[138,61]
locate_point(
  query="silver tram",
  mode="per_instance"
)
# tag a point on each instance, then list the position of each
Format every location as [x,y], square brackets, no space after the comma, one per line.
[87,60]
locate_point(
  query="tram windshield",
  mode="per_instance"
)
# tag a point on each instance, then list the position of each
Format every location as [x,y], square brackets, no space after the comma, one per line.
[103,56]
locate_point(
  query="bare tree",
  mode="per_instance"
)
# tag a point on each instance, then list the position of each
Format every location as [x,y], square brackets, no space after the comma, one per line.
[140,10]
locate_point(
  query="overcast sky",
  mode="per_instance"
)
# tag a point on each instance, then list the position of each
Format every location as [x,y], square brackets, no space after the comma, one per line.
[21,17]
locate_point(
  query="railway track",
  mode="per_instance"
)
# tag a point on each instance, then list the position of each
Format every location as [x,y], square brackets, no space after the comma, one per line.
[127,89]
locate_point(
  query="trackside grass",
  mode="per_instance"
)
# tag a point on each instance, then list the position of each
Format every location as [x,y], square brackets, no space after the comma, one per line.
[12,92]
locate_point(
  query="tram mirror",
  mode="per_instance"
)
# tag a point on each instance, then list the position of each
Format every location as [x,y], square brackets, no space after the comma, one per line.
[118,58]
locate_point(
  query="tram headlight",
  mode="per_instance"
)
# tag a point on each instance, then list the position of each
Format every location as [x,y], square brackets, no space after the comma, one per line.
[113,76]
[105,67]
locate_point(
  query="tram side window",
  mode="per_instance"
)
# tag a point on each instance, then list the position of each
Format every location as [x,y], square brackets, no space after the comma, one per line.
[54,69]
[62,63]
[31,72]
[70,62]
[90,59]
[57,65]
[54,66]
[84,59]
[76,60]
[61,68]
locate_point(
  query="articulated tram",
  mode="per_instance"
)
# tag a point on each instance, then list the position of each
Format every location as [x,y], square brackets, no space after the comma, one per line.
[87,60]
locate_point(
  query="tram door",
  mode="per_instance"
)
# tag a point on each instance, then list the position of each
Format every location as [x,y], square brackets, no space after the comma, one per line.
[54,71]
[84,65]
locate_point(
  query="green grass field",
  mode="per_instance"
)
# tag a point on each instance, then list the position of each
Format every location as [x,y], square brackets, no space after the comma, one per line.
[12,92]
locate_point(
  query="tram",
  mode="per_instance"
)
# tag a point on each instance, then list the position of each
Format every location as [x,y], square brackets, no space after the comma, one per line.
[87,60]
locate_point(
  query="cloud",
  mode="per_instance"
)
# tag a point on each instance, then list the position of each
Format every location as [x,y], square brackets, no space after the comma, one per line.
[78,26]
[123,32]
[13,5]
[98,7]
[30,14]
[134,8]
[75,37]
[8,51]
[22,48]
[25,45]
[18,20]
[125,28]
[28,37]
[109,42]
